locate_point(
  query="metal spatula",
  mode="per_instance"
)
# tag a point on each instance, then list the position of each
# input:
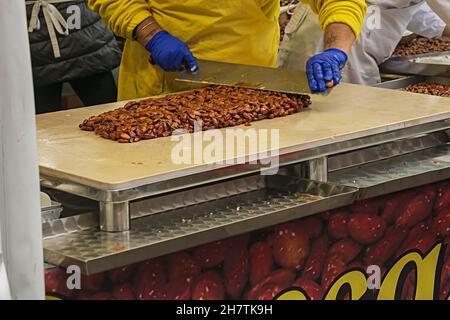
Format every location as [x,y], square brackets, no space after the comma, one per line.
[261,78]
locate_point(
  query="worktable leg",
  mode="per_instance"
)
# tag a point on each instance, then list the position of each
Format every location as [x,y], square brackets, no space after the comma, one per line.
[299,170]
[114,216]
[318,169]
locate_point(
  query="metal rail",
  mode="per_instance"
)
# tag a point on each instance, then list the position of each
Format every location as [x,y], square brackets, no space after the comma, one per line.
[114,204]
[187,218]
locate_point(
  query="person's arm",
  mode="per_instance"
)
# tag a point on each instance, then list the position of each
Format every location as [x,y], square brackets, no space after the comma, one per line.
[121,16]
[342,22]
[132,19]
[340,36]
[146,30]
[349,13]
[426,23]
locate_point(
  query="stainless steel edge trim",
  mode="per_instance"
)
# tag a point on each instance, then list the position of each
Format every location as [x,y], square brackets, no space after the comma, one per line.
[386,150]
[404,82]
[235,171]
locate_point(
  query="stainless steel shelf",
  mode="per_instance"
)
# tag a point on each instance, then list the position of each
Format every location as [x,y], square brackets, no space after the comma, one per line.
[119,221]
[397,173]
[280,199]
[406,81]
[287,157]
[387,150]
[186,218]
[410,66]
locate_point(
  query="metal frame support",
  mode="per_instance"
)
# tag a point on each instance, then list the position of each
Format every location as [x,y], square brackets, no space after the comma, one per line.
[114,216]
[318,169]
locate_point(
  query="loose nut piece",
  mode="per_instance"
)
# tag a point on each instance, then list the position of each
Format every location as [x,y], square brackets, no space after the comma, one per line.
[212,107]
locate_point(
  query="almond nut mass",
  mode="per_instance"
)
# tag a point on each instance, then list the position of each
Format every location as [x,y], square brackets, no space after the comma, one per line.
[435,89]
[211,107]
[421,45]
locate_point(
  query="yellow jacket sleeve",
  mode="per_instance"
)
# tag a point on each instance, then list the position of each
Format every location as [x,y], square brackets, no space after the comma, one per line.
[121,16]
[349,12]
[270,8]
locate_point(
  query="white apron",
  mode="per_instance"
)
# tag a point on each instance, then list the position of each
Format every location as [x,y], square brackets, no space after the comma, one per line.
[442,8]
[376,46]
[304,39]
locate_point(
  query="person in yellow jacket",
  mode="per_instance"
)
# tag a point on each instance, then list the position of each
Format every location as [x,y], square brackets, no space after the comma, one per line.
[176,32]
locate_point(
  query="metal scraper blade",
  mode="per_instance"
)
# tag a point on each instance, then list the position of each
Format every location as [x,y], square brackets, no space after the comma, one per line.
[238,75]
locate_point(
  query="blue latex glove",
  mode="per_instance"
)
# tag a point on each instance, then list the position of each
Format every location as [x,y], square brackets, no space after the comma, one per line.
[170,53]
[324,67]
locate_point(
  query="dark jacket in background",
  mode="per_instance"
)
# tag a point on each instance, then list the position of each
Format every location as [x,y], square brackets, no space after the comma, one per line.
[84,52]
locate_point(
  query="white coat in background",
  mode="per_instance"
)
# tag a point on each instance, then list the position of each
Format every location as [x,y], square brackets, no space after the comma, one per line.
[374,45]
[21,256]
[427,23]
[442,9]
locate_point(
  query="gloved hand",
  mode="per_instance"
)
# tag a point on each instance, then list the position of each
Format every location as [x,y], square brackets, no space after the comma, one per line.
[324,67]
[170,53]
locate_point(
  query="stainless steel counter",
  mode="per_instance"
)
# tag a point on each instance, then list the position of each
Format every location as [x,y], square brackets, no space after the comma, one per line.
[192,204]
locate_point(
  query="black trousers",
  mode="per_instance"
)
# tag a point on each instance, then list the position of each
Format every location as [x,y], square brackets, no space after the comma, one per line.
[93,90]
